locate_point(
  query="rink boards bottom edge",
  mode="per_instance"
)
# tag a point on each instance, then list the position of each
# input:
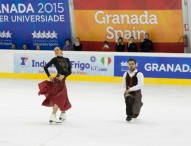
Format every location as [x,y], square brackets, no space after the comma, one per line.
[98,78]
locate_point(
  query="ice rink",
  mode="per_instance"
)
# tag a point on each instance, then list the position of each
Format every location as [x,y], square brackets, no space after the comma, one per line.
[97,116]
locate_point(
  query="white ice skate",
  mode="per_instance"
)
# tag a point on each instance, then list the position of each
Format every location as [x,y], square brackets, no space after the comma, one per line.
[62,116]
[54,120]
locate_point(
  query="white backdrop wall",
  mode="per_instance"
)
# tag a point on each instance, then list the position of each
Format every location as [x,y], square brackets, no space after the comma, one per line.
[187,20]
[189,23]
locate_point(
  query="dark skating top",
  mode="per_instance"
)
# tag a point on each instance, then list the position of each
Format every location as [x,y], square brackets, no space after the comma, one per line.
[62,66]
[131,81]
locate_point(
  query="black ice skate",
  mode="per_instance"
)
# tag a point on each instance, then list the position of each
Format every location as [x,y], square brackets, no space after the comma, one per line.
[129,118]
[135,115]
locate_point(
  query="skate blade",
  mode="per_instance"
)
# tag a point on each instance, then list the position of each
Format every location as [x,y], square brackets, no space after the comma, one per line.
[62,119]
[55,123]
[128,121]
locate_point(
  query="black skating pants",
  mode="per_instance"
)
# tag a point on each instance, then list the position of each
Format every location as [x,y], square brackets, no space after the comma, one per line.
[133,104]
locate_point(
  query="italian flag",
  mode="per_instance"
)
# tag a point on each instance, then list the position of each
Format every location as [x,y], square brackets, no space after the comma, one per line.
[106,61]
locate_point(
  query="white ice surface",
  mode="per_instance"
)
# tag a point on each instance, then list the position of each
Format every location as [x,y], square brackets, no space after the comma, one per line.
[97,116]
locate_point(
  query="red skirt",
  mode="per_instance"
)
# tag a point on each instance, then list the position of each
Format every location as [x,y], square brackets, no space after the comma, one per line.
[55,93]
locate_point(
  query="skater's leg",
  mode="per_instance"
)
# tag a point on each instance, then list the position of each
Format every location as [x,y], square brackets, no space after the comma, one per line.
[53,118]
[129,103]
[137,105]
[129,110]
[55,109]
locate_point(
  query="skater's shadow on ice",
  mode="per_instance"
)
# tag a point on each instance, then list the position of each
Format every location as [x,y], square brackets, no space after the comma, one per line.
[132,122]
[37,123]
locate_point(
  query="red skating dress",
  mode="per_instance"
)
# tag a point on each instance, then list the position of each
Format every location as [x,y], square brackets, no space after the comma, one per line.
[56,92]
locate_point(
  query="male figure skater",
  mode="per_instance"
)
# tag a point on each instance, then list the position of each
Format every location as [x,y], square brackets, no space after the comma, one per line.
[133,81]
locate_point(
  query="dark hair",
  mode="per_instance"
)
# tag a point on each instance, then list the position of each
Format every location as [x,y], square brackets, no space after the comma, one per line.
[105,42]
[37,46]
[147,33]
[13,45]
[120,38]
[26,46]
[132,37]
[131,59]
[77,38]
[58,47]
[67,39]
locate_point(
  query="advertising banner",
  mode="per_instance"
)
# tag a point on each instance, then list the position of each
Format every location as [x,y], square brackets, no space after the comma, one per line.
[98,64]
[90,64]
[32,63]
[156,67]
[126,18]
[100,20]
[82,64]
[45,23]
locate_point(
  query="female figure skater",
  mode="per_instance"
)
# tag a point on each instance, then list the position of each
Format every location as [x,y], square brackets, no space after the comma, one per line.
[55,90]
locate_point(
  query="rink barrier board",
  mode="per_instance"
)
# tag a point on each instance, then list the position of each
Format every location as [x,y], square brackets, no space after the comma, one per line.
[98,78]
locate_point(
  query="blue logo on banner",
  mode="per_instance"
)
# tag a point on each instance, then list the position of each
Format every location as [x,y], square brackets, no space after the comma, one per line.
[24,61]
[156,67]
[45,23]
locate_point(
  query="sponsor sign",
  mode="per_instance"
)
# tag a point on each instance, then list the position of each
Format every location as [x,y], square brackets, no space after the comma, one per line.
[127,18]
[82,64]
[156,67]
[45,23]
